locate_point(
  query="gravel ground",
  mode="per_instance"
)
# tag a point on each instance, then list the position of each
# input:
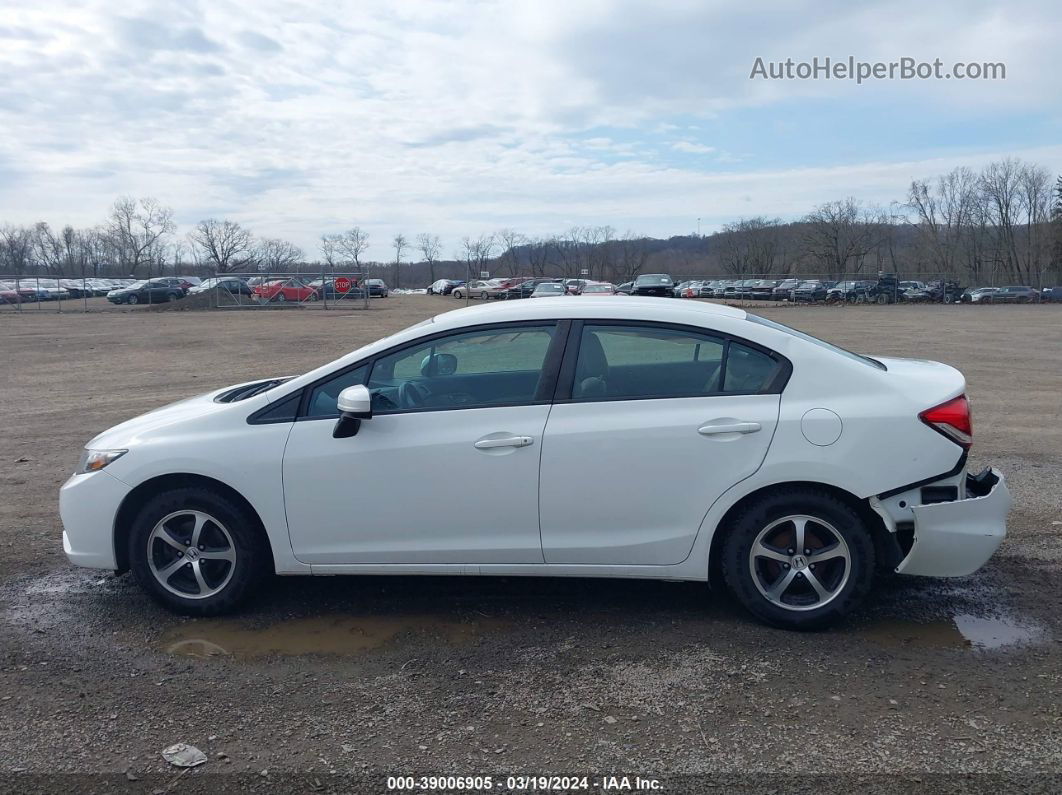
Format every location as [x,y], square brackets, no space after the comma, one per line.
[328,683]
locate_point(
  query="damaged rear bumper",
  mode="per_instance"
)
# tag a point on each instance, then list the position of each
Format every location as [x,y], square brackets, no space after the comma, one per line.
[956,538]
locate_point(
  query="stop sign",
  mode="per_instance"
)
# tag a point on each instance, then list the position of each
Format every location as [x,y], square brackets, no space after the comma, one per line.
[342,284]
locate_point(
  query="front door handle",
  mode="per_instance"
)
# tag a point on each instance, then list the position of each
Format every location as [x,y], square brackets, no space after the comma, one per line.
[505,441]
[712,429]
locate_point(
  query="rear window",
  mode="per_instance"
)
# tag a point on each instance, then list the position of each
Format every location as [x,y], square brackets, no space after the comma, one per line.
[816,341]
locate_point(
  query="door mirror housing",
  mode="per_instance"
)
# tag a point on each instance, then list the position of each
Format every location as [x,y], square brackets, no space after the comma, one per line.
[355,405]
[356,401]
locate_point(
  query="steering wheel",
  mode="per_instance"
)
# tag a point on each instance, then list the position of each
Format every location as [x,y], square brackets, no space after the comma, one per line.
[410,396]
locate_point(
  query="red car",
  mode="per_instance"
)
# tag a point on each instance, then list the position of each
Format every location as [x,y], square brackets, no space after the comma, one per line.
[9,296]
[281,290]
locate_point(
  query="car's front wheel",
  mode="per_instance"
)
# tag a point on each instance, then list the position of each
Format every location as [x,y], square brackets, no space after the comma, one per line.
[800,558]
[195,551]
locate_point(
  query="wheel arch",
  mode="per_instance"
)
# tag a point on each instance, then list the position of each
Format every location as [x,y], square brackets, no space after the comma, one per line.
[136,498]
[879,532]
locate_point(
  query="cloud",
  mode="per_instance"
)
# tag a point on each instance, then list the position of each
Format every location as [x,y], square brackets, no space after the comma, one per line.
[457,135]
[259,41]
[147,34]
[692,148]
[463,116]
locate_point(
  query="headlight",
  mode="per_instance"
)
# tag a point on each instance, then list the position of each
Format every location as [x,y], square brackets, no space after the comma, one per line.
[95,460]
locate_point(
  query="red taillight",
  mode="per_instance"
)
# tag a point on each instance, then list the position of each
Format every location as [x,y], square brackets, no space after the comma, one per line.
[952,419]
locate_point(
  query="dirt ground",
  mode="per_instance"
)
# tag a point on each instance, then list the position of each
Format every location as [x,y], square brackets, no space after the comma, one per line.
[328,683]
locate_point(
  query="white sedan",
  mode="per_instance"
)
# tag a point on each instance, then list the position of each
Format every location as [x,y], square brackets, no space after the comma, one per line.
[650,439]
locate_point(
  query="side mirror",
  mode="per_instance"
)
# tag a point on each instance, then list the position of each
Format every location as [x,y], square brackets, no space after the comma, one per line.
[355,405]
[438,364]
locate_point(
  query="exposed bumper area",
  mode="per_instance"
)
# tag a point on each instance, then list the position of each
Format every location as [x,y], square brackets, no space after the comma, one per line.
[953,539]
[87,506]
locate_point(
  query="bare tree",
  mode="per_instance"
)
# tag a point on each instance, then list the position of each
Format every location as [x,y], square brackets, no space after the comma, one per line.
[399,244]
[751,246]
[48,248]
[944,211]
[633,256]
[429,247]
[16,250]
[136,228]
[351,245]
[839,235]
[276,255]
[510,241]
[330,251]
[225,245]
[477,252]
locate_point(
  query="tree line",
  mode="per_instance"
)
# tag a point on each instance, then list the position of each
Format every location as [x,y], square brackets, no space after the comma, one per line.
[1002,223]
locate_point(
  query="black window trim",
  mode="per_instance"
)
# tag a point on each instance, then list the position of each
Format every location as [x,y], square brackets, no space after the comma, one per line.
[546,384]
[563,393]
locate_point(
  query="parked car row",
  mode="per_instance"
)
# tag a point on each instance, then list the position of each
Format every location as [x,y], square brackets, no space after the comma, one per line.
[31,289]
[885,289]
[524,287]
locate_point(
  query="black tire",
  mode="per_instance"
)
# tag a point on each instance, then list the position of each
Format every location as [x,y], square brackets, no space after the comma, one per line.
[250,550]
[820,506]
[133,299]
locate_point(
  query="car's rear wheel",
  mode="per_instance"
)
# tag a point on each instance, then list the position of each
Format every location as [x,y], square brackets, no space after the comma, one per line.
[196,552]
[799,558]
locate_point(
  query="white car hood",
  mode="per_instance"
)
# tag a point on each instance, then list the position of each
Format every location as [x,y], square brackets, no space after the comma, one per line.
[127,433]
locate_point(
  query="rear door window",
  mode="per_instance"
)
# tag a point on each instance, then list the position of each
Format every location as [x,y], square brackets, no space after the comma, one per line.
[617,362]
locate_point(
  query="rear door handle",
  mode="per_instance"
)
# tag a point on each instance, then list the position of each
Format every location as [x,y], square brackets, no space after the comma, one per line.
[712,429]
[505,441]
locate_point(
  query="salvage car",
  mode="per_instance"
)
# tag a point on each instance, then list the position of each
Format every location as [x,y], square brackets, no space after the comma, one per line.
[659,284]
[598,288]
[979,295]
[149,291]
[230,284]
[549,290]
[810,290]
[1022,294]
[293,290]
[752,436]
[475,289]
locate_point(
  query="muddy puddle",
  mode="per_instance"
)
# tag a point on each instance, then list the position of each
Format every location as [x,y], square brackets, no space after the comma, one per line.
[962,631]
[328,635]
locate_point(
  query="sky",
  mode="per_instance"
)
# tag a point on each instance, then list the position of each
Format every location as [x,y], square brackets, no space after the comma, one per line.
[462,117]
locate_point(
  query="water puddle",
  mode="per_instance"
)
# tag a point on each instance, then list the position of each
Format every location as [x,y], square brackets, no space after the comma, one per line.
[961,631]
[331,635]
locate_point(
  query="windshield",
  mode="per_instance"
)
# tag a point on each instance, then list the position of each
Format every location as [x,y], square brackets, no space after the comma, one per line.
[653,278]
[816,341]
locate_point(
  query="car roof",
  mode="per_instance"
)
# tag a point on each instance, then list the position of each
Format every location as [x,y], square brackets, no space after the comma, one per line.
[562,307]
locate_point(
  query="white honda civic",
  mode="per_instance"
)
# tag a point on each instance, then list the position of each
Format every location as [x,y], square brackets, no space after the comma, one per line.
[605,437]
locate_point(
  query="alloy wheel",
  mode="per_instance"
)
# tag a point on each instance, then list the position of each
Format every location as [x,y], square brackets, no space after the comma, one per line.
[191,554]
[800,562]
